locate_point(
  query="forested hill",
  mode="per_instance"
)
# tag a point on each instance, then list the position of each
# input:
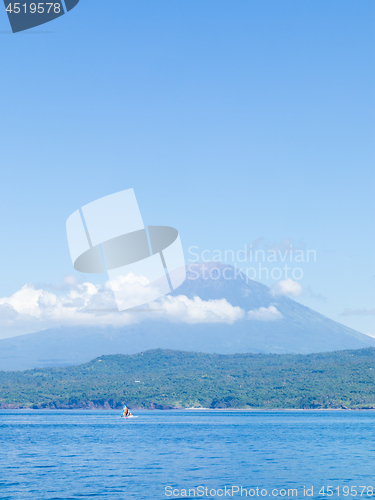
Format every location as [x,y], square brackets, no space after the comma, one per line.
[164,379]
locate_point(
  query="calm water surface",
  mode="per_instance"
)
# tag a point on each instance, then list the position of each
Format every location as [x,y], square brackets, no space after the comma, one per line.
[79,454]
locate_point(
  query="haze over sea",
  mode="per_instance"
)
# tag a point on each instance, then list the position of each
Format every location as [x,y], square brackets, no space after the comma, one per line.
[96,454]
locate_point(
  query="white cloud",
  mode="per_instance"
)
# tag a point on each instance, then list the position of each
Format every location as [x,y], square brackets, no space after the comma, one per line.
[29,309]
[358,312]
[131,290]
[29,301]
[265,314]
[196,310]
[287,287]
[33,309]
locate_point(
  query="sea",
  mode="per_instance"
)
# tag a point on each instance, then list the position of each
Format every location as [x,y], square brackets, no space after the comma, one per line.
[72,454]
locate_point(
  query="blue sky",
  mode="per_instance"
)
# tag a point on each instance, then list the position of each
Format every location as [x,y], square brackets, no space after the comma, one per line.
[232,121]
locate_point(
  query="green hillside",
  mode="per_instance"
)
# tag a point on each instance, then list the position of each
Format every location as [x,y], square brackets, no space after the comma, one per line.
[163,378]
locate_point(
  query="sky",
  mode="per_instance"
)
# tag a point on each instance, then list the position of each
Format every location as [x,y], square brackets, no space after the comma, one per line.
[238,123]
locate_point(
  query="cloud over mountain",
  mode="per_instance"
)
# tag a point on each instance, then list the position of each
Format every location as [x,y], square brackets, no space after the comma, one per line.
[287,287]
[265,314]
[217,311]
[85,304]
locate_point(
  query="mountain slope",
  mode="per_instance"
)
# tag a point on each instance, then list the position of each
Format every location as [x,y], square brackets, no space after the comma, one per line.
[300,330]
[165,378]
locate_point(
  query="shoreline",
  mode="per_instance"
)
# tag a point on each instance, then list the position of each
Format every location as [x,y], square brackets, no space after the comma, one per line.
[217,410]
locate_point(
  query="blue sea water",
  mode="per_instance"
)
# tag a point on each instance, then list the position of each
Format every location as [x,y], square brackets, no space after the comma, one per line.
[163,454]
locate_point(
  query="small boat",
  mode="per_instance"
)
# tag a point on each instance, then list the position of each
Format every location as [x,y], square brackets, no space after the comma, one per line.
[126,413]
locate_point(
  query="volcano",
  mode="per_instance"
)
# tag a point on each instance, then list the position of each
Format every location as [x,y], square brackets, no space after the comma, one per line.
[292,328]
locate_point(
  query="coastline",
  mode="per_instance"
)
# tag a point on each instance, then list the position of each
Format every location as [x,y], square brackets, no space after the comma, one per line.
[10,407]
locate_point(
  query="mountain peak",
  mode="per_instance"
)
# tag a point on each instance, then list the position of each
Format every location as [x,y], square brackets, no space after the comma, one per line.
[269,324]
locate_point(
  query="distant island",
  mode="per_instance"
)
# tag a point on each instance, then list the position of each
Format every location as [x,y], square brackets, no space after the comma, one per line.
[166,379]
